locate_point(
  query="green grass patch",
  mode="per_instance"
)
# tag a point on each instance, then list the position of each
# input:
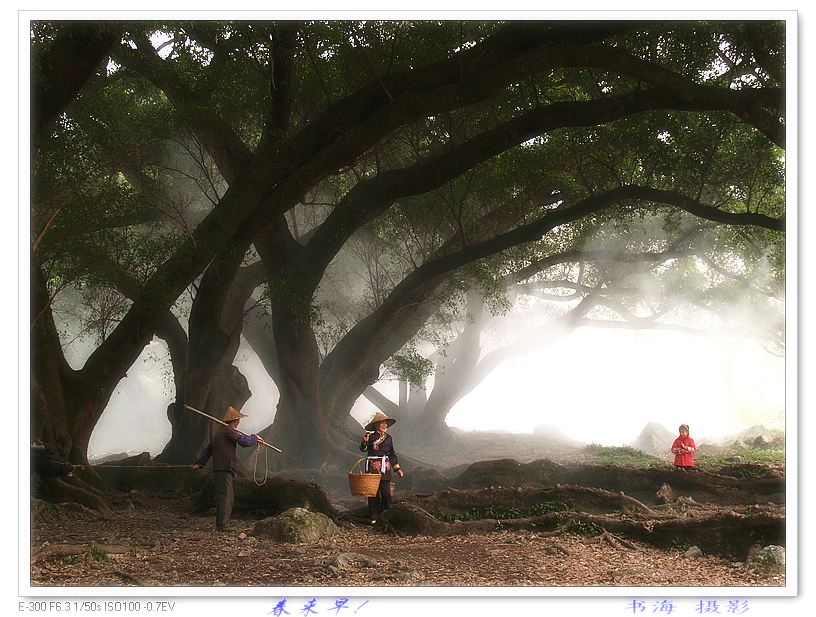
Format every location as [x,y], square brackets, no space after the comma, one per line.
[620,455]
[500,512]
[98,554]
[747,456]
[47,511]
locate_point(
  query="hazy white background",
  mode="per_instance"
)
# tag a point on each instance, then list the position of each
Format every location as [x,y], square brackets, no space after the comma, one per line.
[595,385]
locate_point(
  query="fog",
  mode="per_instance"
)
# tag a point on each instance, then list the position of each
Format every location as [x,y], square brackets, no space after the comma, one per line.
[595,385]
[136,417]
[604,386]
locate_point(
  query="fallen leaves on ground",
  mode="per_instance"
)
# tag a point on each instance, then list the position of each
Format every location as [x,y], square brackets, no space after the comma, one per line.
[169,547]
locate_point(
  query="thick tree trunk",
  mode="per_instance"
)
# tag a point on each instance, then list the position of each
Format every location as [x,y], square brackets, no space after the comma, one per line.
[300,428]
[191,432]
[88,400]
[210,382]
[66,404]
[354,363]
[207,386]
[49,371]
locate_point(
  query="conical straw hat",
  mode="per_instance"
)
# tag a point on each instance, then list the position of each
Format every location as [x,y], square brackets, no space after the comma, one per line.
[378,417]
[233,414]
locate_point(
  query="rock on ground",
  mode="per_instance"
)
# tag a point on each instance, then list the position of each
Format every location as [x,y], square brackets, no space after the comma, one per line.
[771,556]
[665,494]
[295,526]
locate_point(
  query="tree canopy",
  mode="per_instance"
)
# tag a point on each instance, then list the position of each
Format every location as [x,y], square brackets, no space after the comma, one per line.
[179,168]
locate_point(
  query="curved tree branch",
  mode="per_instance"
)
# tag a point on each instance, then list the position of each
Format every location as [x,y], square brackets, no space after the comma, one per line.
[377,336]
[369,198]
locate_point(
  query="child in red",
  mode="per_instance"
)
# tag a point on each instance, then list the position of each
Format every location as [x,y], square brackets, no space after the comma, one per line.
[683,449]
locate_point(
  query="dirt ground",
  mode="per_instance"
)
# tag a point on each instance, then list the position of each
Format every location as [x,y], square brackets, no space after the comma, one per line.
[157,542]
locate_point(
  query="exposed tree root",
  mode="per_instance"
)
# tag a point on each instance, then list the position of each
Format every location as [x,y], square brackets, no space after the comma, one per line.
[721,533]
[79,482]
[616,542]
[276,495]
[58,490]
[564,496]
[40,508]
[129,577]
[555,549]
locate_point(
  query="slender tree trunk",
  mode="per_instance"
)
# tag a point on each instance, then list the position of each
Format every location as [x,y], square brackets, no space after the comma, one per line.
[452,373]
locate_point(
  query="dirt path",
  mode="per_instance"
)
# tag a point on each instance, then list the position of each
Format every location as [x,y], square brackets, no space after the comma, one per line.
[165,547]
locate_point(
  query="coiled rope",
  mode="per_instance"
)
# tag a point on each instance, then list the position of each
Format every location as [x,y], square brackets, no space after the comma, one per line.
[255,465]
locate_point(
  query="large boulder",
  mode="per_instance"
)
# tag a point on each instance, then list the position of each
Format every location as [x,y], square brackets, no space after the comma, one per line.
[295,526]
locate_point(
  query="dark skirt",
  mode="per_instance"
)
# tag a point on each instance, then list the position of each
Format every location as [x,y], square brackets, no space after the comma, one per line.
[379,504]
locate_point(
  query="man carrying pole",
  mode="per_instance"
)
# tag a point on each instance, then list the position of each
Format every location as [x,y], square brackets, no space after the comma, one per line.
[225,465]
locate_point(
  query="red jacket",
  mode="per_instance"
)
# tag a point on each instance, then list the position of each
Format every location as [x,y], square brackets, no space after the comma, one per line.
[684,455]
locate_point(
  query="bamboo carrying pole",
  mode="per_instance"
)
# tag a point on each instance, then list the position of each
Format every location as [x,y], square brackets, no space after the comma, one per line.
[206,415]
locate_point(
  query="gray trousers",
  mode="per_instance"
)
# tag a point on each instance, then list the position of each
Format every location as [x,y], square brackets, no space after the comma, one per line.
[224,497]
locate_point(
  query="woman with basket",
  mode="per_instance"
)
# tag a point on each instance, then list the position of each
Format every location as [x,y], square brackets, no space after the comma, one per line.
[381,459]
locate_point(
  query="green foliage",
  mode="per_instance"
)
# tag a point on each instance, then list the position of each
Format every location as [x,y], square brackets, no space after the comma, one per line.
[410,366]
[546,507]
[583,528]
[99,184]
[500,512]
[680,544]
[619,455]
[98,554]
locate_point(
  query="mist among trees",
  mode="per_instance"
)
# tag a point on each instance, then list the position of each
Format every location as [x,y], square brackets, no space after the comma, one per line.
[361,201]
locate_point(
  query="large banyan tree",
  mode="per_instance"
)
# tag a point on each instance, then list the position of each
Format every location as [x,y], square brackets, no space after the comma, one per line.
[198,181]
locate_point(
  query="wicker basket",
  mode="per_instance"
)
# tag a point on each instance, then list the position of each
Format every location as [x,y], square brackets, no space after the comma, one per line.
[363,484]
